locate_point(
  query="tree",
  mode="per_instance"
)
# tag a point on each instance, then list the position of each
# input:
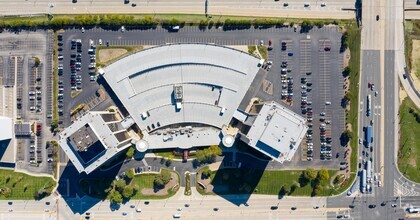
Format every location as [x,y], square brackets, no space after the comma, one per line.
[170,160]
[128,192]
[346,71]
[309,174]
[120,185]
[286,189]
[162,179]
[338,179]
[208,154]
[130,152]
[206,172]
[323,175]
[130,174]
[37,61]
[115,197]
[317,189]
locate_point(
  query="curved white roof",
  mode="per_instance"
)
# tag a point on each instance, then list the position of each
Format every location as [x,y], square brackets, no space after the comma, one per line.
[214,80]
[6,128]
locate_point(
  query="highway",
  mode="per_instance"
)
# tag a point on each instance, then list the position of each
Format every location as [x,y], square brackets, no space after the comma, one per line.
[269,8]
[232,207]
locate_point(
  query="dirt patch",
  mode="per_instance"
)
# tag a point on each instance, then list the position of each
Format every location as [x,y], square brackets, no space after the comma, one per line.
[346,57]
[403,94]
[106,55]
[415,71]
[164,191]
[412,161]
[240,47]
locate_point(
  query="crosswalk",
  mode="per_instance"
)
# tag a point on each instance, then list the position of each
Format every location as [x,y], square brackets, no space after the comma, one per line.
[405,189]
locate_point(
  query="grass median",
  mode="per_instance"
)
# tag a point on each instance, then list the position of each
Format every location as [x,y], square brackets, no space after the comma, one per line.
[188,19]
[354,43]
[409,151]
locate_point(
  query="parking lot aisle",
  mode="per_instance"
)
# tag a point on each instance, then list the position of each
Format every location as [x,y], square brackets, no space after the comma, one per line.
[305,67]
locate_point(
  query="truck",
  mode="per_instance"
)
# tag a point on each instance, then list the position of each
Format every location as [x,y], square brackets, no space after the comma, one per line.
[369,171]
[355,186]
[368,104]
[368,133]
[363,181]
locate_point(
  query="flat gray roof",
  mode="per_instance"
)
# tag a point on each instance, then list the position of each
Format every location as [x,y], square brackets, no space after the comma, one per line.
[88,131]
[277,132]
[214,80]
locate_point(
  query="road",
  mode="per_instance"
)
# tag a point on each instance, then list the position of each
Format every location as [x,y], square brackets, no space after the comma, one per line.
[267,8]
[258,206]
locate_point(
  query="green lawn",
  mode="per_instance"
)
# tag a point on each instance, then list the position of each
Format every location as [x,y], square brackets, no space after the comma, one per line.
[239,181]
[167,154]
[96,187]
[146,181]
[354,64]
[22,186]
[409,152]
[264,52]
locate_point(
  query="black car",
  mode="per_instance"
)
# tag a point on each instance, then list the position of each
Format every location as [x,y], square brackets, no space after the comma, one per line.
[377,17]
[274,207]
[372,206]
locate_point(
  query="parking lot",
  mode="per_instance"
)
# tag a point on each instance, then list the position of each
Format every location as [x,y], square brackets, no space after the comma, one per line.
[27,83]
[312,81]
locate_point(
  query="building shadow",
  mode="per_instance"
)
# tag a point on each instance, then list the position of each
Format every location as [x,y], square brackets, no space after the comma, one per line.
[237,180]
[83,191]
[3,147]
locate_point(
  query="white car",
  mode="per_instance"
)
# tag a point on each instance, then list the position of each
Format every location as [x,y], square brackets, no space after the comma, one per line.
[328,103]
[261,42]
[100,41]
[323,4]
[360,141]
[83,30]
[138,210]
[122,28]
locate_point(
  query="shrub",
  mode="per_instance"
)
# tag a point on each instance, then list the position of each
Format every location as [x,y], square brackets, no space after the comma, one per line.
[130,152]
[130,174]
[162,179]
[206,172]
[128,192]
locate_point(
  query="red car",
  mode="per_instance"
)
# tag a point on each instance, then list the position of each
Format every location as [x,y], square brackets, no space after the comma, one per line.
[269,42]
[309,113]
[38,127]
